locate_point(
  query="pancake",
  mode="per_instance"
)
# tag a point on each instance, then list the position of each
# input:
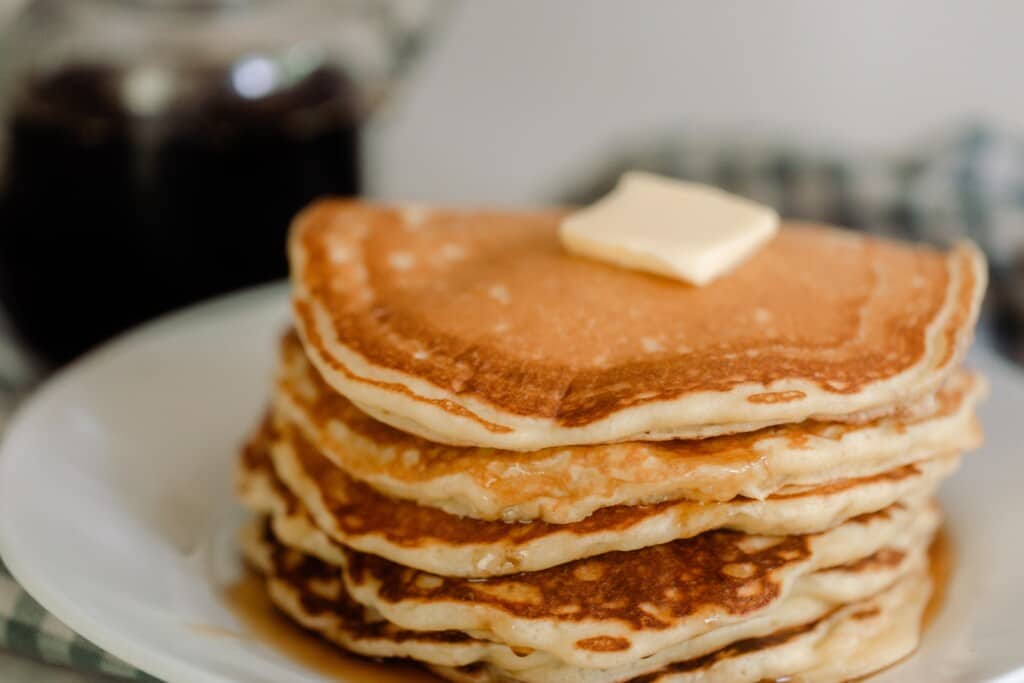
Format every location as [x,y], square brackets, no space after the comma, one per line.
[609,610]
[619,607]
[847,644]
[563,485]
[477,328]
[310,592]
[355,515]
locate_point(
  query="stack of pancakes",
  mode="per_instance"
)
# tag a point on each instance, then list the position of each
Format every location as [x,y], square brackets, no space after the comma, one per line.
[512,464]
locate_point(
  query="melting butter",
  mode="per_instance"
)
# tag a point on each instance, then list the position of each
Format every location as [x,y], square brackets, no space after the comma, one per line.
[669,227]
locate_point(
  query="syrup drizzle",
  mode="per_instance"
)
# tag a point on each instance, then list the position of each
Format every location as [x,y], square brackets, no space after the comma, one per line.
[248,600]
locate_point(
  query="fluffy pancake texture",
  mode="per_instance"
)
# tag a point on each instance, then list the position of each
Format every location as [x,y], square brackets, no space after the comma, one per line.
[847,644]
[513,465]
[476,328]
[632,605]
[602,612]
[355,515]
[567,484]
[310,591]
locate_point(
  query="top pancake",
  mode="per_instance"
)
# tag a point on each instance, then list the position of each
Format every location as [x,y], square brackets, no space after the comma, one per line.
[476,328]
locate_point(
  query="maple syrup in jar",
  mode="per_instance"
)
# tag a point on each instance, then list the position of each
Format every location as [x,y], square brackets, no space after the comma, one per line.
[155,152]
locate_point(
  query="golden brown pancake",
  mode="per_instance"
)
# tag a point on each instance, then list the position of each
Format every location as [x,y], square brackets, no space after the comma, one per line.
[612,609]
[563,485]
[318,596]
[843,645]
[354,514]
[619,607]
[309,591]
[514,465]
[477,328]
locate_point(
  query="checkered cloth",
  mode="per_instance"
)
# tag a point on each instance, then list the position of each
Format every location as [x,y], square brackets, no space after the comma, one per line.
[29,630]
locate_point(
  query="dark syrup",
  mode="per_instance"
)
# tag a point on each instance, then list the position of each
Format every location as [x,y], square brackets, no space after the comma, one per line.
[108,218]
[249,602]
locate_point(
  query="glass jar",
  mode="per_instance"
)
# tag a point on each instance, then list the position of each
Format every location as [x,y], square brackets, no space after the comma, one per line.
[155,152]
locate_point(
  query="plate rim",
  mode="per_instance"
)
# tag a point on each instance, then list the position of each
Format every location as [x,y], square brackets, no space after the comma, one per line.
[140,654]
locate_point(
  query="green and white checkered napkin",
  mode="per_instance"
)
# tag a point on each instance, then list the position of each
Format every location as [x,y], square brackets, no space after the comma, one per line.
[973,184]
[29,630]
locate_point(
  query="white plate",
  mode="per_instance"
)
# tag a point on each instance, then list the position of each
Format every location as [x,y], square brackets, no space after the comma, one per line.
[116,507]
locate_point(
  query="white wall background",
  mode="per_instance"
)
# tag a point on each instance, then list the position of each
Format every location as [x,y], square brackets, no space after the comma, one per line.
[515,94]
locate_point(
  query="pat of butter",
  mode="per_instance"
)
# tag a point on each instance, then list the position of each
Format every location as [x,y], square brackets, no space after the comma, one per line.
[681,230]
